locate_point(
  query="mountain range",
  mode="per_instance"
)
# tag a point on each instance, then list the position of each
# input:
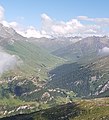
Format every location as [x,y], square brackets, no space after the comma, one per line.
[41,73]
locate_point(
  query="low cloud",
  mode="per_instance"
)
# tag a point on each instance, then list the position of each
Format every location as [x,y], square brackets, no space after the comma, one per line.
[7,62]
[104,51]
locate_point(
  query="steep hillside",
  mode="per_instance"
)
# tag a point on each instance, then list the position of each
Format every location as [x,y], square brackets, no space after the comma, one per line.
[100,79]
[95,109]
[87,49]
[8,33]
[34,59]
[86,80]
[25,95]
[73,77]
[24,84]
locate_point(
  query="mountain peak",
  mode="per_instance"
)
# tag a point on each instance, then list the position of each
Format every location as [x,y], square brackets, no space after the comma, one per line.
[6,32]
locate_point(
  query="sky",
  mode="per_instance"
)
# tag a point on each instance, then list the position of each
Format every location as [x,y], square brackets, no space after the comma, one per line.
[45,18]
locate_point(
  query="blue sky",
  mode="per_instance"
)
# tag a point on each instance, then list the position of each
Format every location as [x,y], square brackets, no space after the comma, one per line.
[57,9]
[28,12]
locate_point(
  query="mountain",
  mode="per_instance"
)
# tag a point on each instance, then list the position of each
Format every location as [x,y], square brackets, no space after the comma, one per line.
[100,80]
[24,85]
[44,76]
[73,77]
[6,31]
[35,59]
[53,44]
[87,49]
[86,80]
[9,33]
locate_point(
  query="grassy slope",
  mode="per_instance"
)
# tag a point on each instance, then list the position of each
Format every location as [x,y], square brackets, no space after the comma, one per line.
[36,61]
[95,109]
[34,58]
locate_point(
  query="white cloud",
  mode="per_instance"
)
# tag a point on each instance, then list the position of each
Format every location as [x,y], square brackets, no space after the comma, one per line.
[100,21]
[29,31]
[4,22]
[32,32]
[46,17]
[71,27]
[1,13]
[13,24]
[104,51]
[85,18]
[51,27]
[7,62]
[101,24]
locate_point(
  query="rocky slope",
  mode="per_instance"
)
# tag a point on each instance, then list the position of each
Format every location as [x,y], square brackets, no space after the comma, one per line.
[87,49]
[94,109]
[86,80]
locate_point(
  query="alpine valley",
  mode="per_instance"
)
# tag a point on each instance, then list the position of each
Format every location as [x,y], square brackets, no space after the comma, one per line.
[58,78]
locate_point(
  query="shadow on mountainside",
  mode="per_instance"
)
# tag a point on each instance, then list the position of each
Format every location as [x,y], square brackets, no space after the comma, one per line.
[73,76]
[62,112]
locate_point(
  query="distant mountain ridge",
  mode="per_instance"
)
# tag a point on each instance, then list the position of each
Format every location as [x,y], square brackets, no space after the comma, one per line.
[53,44]
[52,71]
[87,48]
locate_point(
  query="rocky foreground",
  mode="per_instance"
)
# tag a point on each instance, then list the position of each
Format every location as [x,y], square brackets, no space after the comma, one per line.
[94,109]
